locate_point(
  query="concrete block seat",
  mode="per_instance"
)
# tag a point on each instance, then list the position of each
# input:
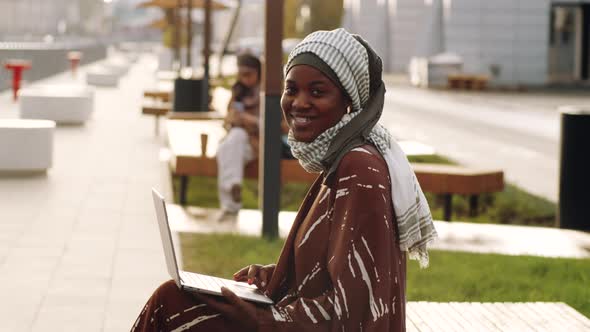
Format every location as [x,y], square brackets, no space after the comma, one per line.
[26,145]
[120,66]
[60,103]
[102,76]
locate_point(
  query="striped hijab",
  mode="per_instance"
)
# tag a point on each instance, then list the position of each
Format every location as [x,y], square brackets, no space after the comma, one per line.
[358,69]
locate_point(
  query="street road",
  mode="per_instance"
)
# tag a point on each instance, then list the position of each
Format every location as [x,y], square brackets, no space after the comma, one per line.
[517,132]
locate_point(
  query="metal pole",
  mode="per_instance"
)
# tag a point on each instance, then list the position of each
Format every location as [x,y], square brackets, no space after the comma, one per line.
[206,55]
[270,152]
[207,40]
[177,26]
[228,36]
[189,32]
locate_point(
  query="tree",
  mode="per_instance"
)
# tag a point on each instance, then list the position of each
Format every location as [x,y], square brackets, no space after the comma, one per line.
[325,14]
[291,11]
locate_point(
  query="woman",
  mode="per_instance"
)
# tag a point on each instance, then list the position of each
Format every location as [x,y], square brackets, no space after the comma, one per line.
[342,267]
[240,145]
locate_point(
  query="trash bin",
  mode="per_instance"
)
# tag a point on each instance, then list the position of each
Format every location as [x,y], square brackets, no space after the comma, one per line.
[574,168]
[190,95]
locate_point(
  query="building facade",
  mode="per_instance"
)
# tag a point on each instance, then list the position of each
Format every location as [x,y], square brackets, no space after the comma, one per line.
[36,18]
[515,42]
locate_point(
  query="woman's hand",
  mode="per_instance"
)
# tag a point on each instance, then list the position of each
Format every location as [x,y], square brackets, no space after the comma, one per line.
[232,307]
[235,118]
[256,274]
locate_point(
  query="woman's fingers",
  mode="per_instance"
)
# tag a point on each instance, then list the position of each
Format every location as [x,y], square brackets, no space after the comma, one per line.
[263,275]
[253,273]
[242,274]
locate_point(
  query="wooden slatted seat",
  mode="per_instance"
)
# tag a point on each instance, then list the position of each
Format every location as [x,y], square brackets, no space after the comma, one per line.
[163,95]
[158,103]
[449,180]
[467,81]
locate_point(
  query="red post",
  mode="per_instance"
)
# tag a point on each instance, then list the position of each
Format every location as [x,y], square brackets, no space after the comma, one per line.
[74,58]
[17,66]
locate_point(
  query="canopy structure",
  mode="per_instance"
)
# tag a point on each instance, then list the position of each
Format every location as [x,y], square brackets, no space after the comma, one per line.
[189,5]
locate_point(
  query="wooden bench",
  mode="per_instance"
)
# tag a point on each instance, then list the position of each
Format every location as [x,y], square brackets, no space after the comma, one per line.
[190,157]
[467,81]
[448,180]
[162,95]
[158,103]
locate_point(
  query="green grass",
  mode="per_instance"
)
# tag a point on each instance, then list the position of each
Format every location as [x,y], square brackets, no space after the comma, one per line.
[450,277]
[292,194]
[512,206]
[431,159]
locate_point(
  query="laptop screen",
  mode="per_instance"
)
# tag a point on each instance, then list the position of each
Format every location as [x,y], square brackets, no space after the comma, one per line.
[166,235]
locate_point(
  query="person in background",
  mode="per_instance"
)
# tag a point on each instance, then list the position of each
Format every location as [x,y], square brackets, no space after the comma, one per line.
[240,145]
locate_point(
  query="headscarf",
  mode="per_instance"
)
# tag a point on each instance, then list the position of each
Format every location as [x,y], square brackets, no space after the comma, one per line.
[358,70]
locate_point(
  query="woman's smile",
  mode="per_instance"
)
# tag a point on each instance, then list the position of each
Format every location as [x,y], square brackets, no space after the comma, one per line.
[300,121]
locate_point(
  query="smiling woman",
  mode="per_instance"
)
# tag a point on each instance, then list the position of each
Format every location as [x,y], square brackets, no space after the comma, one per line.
[343,265]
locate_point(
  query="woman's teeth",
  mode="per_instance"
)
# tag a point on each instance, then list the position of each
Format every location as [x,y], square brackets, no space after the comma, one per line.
[300,120]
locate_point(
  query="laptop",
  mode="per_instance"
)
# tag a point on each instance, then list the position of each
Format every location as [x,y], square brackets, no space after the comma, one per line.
[195,282]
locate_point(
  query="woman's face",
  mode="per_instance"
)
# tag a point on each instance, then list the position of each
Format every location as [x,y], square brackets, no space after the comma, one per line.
[248,76]
[311,103]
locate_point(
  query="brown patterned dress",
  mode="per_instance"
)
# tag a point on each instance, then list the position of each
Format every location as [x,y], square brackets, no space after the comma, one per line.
[341,268]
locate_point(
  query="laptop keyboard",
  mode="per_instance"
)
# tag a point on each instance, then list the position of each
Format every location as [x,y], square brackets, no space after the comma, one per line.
[207,281]
[245,291]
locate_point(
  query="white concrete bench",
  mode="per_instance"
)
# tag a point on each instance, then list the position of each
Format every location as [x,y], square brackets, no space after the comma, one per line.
[26,145]
[62,104]
[120,66]
[102,76]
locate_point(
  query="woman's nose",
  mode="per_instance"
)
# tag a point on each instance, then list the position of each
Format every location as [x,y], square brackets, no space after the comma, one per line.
[300,101]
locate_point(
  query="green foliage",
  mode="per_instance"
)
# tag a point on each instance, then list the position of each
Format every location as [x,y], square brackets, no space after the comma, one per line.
[452,276]
[169,35]
[225,82]
[431,159]
[291,10]
[326,14]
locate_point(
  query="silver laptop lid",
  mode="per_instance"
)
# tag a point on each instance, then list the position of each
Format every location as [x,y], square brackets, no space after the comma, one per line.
[166,236]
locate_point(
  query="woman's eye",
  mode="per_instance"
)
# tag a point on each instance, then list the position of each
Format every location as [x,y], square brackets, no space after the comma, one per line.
[316,92]
[289,90]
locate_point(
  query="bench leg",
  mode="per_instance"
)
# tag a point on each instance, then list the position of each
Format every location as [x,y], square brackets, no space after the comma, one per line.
[448,207]
[473,199]
[183,188]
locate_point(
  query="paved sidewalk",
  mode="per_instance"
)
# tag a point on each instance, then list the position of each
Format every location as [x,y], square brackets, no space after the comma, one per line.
[79,246]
